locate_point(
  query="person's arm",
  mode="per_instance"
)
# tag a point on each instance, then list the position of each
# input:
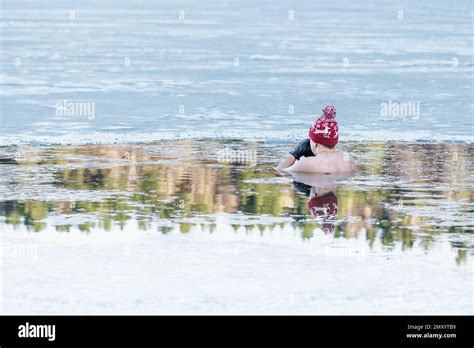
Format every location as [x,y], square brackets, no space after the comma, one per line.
[298,166]
[287,162]
[302,149]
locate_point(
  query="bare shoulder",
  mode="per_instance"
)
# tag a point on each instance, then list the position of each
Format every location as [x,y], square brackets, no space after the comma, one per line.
[346,162]
[350,162]
[305,164]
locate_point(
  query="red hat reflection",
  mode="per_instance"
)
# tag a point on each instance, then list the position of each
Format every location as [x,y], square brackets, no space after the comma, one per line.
[325,208]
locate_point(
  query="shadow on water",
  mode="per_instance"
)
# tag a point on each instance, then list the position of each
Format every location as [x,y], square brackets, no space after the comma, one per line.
[401,194]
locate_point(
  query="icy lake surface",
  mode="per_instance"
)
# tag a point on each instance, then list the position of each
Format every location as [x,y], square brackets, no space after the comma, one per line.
[180,223]
[236,69]
[180,227]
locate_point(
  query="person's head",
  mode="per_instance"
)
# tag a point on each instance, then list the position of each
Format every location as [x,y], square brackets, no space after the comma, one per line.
[325,130]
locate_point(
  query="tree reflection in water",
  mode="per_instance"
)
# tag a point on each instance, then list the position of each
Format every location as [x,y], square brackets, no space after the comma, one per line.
[401,193]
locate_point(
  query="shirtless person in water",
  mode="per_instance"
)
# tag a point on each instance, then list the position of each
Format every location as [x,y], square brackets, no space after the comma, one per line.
[318,153]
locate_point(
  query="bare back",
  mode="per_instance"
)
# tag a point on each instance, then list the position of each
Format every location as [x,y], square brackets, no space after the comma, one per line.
[324,163]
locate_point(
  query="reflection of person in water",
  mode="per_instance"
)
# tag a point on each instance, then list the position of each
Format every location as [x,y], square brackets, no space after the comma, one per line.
[320,188]
[322,203]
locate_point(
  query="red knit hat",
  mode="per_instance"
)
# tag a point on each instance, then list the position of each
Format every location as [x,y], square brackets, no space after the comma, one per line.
[325,130]
[324,207]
